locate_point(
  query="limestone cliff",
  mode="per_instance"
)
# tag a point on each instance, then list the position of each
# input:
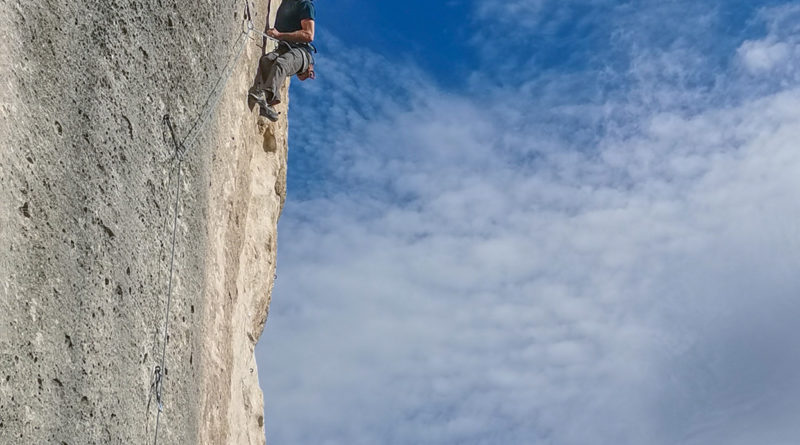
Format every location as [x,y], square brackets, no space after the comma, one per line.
[88,185]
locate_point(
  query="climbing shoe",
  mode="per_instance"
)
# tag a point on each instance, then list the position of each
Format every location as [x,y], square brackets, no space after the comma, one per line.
[269,112]
[259,97]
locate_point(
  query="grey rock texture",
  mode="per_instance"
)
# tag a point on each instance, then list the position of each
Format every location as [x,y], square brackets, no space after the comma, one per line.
[87,187]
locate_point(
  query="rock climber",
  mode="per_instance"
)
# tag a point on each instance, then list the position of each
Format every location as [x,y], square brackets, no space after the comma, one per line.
[294,28]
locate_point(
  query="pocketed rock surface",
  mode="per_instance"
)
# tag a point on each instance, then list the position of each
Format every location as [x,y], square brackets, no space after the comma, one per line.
[88,183]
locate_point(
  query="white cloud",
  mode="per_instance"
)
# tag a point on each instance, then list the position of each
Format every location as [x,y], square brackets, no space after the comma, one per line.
[517,15]
[759,55]
[777,53]
[475,274]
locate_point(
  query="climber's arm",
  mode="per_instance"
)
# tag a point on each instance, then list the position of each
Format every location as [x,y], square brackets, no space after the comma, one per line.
[305,35]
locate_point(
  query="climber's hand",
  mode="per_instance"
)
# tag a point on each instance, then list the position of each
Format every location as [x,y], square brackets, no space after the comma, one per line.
[307,74]
[274,33]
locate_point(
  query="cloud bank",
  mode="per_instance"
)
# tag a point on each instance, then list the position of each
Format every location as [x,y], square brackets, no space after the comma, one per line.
[603,255]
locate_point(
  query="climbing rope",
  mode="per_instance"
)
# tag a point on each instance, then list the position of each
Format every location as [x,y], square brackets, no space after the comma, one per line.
[181,149]
[251,27]
[157,373]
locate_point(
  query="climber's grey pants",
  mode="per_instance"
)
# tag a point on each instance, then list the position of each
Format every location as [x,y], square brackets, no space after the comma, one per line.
[277,65]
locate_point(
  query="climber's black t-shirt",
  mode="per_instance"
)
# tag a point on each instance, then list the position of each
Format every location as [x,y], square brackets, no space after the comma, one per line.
[291,13]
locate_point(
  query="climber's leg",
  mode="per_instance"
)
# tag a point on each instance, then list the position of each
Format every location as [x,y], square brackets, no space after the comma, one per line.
[287,64]
[266,62]
[264,67]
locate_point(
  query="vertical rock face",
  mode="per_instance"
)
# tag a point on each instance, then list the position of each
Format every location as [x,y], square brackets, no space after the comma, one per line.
[88,186]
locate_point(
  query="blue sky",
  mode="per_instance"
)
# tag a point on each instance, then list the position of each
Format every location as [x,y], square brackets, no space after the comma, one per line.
[434,34]
[541,222]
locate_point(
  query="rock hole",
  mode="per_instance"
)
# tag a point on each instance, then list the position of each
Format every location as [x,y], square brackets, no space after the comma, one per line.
[169,22]
[192,309]
[260,421]
[25,211]
[59,128]
[29,159]
[108,231]
[106,280]
[68,341]
[128,125]
[58,383]
[119,290]
[270,144]
[39,381]
[128,270]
